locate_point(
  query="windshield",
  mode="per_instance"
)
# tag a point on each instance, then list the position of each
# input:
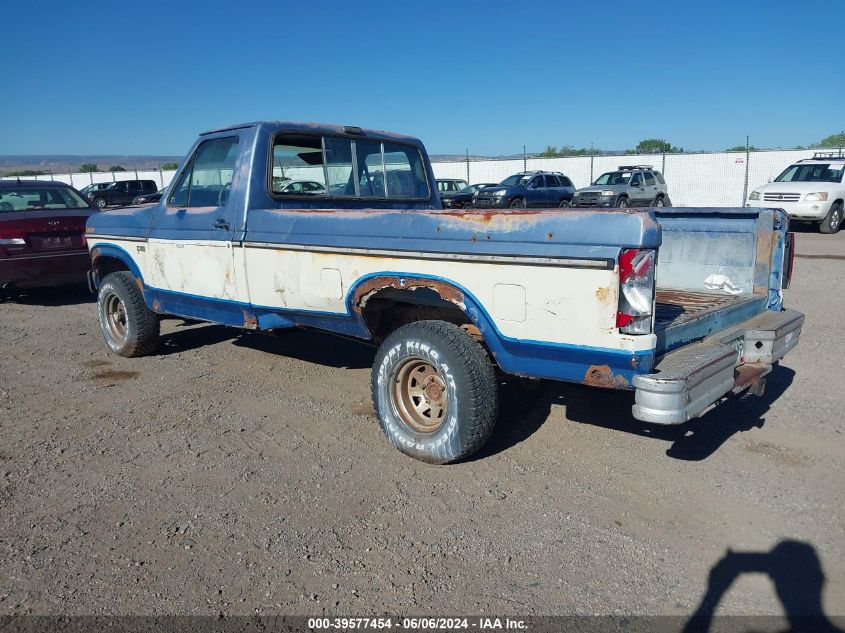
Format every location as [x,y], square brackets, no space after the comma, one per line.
[516,181]
[614,178]
[828,172]
[38,198]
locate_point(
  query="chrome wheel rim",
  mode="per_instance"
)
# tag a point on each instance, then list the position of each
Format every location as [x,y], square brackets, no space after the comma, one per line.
[115,316]
[836,219]
[420,395]
[659,202]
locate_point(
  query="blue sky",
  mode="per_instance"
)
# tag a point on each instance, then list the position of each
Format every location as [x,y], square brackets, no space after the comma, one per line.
[145,77]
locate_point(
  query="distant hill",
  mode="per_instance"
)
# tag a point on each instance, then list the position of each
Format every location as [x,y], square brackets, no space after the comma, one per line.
[69,163]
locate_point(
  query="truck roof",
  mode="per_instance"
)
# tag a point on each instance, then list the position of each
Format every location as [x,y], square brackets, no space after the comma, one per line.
[328,128]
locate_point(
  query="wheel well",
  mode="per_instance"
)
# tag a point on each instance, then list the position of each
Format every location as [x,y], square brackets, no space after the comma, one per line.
[105,265]
[389,308]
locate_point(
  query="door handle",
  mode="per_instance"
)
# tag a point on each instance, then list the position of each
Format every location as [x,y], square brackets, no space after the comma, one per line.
[222,225]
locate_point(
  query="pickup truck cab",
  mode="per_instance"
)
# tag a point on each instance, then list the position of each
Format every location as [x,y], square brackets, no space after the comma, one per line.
[681,306]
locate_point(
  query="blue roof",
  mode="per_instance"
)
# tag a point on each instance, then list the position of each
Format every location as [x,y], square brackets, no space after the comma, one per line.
[325,128]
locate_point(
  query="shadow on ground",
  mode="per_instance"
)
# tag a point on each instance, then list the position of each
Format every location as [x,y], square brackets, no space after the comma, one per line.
[795,570]
[71,294]
[524,405]
[523,411]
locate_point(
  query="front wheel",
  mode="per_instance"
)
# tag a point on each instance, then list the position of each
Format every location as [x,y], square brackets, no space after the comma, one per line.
[518,203]
[100,203]
[622,202]
[128,325]
[833,220]
[435,392]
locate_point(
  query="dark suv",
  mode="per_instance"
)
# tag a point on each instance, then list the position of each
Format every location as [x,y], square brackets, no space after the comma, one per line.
[122,192]
[527,189]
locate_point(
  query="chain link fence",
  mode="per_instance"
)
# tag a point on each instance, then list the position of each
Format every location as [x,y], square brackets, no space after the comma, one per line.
[720,179]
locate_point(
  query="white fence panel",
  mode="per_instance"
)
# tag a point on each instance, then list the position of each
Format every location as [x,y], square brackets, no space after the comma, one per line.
[699,180]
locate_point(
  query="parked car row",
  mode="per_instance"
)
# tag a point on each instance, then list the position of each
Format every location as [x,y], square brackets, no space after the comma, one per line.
[630,185]
[121,192]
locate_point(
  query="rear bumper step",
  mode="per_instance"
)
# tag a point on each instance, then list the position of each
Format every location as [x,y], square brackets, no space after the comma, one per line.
[688,380]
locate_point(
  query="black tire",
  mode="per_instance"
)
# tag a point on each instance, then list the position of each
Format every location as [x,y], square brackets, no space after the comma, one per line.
[128,325]
[564,204]
[622,202]
[833,221]
[465,381]
[100,203]
[659,201]
[517,203]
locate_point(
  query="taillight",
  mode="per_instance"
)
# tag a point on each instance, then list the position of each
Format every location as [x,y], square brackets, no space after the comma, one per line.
[788,259]
[636,291]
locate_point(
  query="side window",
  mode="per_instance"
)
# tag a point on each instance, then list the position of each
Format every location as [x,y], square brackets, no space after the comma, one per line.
[659,177]
[297,160]
[536,181]
[649,179]
[552,181]
[636,180]
[565,182]
[208,178]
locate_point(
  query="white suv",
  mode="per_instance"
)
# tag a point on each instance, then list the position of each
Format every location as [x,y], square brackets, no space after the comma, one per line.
[811,190]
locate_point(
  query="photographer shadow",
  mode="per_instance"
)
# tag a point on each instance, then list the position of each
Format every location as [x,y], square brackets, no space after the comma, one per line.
[796,572]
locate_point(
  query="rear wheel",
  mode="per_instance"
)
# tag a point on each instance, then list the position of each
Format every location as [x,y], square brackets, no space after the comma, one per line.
[564,204]
[833,220]
[517,203]
[660,202]
[622,202]
[128,325]
[435,392]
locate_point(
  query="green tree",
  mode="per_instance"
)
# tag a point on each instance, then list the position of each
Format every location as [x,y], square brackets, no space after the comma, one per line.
[170,166]
[655,146]
[834,140]
[741,148]
[115,168]
[86,168]
[549,152]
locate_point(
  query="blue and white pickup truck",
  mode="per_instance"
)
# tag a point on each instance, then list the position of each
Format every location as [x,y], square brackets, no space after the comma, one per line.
[682,306]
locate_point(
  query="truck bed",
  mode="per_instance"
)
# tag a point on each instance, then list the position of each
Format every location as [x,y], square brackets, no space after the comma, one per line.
[683,316]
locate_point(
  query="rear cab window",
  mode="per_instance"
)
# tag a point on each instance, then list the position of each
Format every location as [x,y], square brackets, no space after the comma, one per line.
[326,166]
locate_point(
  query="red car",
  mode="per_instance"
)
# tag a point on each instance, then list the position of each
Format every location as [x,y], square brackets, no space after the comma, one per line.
[42,234]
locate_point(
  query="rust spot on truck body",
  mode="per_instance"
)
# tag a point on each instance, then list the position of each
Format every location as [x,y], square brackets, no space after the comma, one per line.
[603,376]
[370,287]
[250,322]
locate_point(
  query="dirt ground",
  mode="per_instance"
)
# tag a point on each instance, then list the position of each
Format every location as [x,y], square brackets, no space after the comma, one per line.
[238,473]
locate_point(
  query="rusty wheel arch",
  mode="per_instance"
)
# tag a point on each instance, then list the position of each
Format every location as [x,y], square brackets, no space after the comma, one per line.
[387,302]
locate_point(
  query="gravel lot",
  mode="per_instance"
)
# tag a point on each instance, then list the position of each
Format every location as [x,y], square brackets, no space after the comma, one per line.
[238,473]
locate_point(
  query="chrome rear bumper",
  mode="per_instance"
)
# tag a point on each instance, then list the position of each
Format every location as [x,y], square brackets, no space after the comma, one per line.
[690,379]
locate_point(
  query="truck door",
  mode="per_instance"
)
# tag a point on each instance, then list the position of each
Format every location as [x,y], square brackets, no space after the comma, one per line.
[637,189]
[536,193]
[650,187]
[191,254]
